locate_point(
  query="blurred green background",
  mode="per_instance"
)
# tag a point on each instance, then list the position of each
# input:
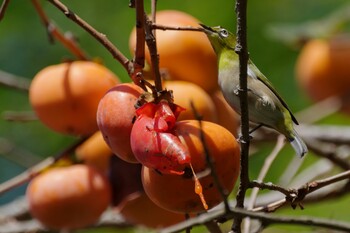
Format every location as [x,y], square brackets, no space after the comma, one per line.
[25,49]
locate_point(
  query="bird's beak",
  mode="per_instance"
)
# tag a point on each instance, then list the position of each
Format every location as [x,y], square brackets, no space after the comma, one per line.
[207,29]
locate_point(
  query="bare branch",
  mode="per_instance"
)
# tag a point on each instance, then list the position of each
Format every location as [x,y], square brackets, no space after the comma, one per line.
[320,110]
[267,219]
[23,116]
[296,196]
[210,161]
[139,61]
[242,51]
[10,218]
[152,47]
[329,152]
[16,154]
[14,81]
[267,164]
[92,31]
[173,28]
[54,32]
[153,10]
[270,186]
[315,185]
[35,170]
[3,8]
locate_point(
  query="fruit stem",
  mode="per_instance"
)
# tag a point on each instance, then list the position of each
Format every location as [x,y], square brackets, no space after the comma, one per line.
[198,188]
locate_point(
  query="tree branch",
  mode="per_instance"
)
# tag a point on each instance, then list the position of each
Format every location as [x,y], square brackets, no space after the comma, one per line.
[97,35]
[3,8]
[35,170]
[13,81]
[54,32]
[11,220]
[242,51]
[139,61]
[264,170]
[296,196]
[223,193]
[327,151]
[174,28]
[265,218]
[152,47]
[19,116]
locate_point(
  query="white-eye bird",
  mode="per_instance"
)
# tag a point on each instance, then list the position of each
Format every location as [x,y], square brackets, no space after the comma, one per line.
[265,105]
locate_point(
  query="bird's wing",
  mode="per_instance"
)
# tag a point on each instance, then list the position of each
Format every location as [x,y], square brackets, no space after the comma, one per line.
[261,77]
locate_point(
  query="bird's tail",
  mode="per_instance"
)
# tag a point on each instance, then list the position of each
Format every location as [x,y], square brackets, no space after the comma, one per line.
[298,144]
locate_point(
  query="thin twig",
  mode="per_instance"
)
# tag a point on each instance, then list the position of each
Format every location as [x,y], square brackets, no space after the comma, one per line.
[11,221]
[329,152]
[296,196]
[97,35]
[270,186]
[267,219]
[209,160]
[139,60]
[3,8]
[153,12]
[176,28]
[152,47]
[242,51]
[20,156]
[23,116]
[320,110]
[337,134]
[267,164]
[35,170]
[54,32]
[315,185]
[14,81]
[312,114]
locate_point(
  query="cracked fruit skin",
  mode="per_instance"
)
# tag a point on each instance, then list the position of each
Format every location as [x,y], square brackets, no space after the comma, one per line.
[65,96]
[322,69]
[176,193]
[153,141]
[115,116]
[68,197]
[185,55]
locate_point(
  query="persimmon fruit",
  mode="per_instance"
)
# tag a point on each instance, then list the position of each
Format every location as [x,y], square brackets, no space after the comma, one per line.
[129,199]
[176,193]
[322,69]
[115,117]
[95,152]
[184,92]
[133,206]
[184,55]
[65,96]
[226,116]
[68,197]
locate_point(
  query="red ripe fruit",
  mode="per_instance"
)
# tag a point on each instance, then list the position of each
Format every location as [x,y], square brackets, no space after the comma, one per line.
[115,115]
[152,141]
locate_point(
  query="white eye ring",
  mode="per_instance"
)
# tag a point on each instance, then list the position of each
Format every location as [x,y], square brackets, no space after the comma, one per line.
[223,33]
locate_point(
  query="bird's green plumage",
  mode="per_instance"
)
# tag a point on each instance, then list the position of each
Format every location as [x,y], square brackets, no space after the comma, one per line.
[265,105]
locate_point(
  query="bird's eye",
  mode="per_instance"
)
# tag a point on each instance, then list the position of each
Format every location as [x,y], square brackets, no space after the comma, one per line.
[223,33]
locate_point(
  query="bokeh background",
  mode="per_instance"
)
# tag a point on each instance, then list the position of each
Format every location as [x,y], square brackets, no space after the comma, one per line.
[25,49]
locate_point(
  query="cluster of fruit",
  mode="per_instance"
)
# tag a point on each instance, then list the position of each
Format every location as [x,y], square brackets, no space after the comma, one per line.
[157,147]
